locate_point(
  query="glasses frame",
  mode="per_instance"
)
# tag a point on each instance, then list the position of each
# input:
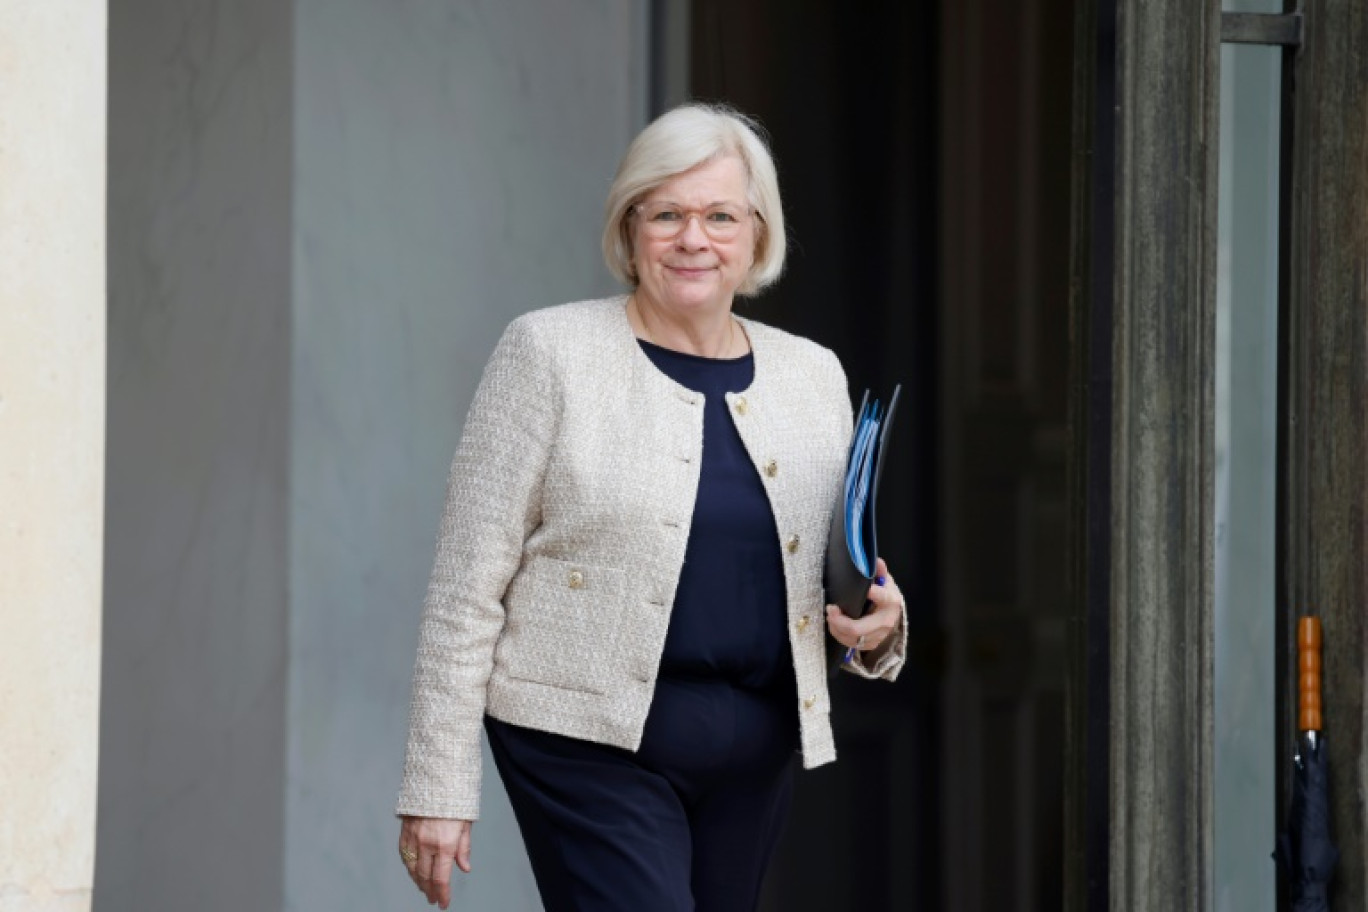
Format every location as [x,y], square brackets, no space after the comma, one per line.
[637,208]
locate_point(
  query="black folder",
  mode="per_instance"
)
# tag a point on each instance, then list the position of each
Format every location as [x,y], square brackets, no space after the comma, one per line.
[852,545]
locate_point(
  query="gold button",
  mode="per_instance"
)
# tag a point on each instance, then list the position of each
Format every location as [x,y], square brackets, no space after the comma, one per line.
[809,703]
[802,623]
[576,579]
[740,405]
[792,544]
[771,468]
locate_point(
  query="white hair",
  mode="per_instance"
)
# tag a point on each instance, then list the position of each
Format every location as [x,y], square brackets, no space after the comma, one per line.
[680,140]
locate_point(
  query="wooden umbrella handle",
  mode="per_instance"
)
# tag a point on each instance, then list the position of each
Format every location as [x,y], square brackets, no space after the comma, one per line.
[1309,674]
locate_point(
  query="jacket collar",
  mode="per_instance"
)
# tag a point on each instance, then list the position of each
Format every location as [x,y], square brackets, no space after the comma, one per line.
[757,333]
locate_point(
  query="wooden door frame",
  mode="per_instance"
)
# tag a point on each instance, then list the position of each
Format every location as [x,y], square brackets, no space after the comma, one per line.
[1323,542]
[1142,455]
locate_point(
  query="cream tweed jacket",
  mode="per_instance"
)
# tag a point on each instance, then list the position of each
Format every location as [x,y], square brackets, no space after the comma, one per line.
[567,514]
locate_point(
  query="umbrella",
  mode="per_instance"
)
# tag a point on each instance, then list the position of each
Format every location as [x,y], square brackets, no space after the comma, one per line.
[1304,848]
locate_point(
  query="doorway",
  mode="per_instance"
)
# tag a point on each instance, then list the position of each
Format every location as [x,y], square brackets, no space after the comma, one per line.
[924,154]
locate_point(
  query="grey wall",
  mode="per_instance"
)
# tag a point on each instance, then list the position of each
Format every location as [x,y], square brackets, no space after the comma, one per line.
[322,214]
[192,730]
[451,162]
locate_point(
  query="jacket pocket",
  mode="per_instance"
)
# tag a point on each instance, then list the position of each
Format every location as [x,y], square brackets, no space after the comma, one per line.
[561,623]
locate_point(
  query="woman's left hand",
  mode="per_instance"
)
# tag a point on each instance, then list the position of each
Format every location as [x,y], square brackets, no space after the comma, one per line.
[870,631]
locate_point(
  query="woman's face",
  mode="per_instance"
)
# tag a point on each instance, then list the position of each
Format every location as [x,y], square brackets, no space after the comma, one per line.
[694,271]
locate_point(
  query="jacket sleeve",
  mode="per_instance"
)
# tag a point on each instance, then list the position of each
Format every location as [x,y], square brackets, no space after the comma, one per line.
[886,661]
[493,502]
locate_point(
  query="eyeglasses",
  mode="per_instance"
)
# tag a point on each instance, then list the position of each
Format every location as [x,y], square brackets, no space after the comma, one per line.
[662,221]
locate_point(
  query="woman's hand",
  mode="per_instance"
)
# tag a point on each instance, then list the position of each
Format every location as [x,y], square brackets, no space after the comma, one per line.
[428,846]
[869,632]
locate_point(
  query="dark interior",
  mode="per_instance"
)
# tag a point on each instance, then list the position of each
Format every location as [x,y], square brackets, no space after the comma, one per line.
[923,153]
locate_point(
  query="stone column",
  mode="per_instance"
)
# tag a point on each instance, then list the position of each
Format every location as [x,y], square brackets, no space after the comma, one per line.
[52,382]
[197,613]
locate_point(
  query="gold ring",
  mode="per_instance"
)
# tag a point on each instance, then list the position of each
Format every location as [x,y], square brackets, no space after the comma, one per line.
[408,855]
[859,643]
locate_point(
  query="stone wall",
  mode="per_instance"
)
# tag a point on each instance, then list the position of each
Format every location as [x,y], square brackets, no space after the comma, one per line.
[322,215]
[451,161]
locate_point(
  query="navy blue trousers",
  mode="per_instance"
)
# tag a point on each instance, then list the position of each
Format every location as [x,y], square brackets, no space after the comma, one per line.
[686,824]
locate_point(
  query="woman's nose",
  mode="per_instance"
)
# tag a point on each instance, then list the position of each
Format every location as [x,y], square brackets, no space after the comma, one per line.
[692,234]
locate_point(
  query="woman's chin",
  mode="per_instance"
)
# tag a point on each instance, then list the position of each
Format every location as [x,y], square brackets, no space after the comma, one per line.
[694,295]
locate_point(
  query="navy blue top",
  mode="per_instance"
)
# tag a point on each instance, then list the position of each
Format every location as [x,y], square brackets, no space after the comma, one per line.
[729,620]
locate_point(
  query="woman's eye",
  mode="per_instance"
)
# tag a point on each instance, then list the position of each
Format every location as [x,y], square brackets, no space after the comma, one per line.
[666,215]
[721,216]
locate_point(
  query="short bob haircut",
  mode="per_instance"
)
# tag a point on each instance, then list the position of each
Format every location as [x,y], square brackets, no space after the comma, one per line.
[678,141]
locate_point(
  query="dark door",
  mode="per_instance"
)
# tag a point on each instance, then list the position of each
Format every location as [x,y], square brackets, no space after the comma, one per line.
[923,156]
[1005,140]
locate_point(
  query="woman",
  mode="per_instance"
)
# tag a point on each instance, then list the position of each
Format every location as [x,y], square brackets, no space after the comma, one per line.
[628,579]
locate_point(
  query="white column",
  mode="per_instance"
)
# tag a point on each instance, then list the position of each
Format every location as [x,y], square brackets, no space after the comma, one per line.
[52,382]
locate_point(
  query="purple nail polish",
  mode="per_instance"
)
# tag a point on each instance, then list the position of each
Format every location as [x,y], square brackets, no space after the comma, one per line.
[880,581]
